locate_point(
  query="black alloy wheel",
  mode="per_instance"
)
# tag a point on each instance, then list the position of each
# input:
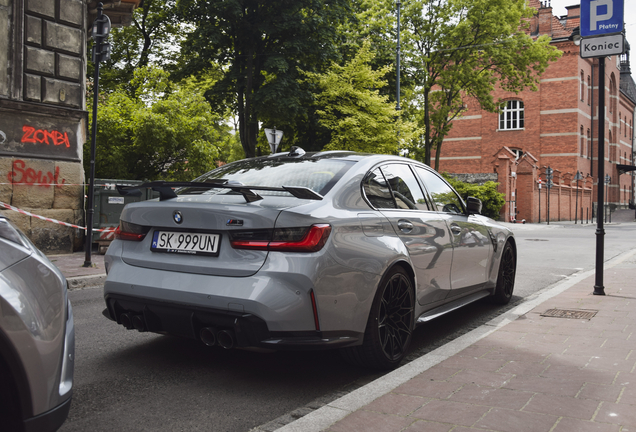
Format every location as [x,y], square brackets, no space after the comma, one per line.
[506,276]
[388,333]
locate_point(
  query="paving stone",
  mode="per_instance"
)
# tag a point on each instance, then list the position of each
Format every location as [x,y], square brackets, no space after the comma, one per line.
[451,412]
[427,426]
[546,385]
[427,388]
[508,420]
[397,404]
[483,378]
[575,425]
[622,414]
[487,396]
[562,406]
[599,392]
[371,421]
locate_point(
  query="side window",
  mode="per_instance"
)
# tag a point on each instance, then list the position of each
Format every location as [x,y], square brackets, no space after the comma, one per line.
[445,199]
[406,190]
[377,190]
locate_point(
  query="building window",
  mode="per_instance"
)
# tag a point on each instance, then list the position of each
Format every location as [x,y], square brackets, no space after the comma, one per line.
[589,90]
[518,153]
[582,86]
[582,139]
[589,144]
[511,116]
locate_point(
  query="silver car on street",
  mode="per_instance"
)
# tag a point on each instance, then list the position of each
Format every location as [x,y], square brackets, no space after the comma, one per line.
[37,337]
[305,251]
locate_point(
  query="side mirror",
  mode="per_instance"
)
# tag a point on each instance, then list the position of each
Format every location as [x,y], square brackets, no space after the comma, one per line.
[474,205]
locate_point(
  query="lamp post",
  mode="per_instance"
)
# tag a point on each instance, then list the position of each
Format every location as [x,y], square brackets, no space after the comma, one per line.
[101,52]
[397,57]
[577,177]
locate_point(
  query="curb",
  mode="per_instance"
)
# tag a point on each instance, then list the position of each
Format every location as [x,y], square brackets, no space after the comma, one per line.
[327,415]
[81,282]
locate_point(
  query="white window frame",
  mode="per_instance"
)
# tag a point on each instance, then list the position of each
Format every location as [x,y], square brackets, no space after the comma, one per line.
[512,116]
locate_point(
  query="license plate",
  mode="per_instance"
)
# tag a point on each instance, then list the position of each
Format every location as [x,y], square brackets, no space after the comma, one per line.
[185,242]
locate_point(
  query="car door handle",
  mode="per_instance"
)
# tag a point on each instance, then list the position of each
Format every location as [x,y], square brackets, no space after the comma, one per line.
[405,226]
[456,229]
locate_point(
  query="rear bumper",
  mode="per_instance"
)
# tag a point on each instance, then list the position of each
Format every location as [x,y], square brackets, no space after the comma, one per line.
[187,321]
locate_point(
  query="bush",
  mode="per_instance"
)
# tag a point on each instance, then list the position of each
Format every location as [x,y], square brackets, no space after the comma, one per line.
[492,200]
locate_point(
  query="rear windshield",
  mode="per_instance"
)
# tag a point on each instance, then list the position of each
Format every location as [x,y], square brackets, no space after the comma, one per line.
[319,175]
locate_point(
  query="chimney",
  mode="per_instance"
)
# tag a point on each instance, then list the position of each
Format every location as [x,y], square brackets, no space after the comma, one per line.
[545,18]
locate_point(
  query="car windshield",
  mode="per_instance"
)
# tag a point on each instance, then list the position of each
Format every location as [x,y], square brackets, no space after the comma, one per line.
[319,175]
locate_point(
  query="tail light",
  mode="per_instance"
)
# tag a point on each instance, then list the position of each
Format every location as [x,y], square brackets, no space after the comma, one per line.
[131,231]
[303,239]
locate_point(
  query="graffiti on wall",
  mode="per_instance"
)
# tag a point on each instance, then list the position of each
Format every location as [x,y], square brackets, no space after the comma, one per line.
[22,174]
[43,136]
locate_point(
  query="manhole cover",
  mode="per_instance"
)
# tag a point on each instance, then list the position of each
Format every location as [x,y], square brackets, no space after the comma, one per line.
[569,313]
[537,240]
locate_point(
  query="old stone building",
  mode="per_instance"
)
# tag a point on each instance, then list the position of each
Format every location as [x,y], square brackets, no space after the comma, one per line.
[43,117]
[556,126]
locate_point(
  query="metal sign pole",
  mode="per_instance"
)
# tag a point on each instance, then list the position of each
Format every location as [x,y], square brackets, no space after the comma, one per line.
[599,289]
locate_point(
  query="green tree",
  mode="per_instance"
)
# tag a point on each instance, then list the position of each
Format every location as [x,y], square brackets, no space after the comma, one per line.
[459,49]
[352,108]
[148,41]
[171,134]
[491,199]
[260,46]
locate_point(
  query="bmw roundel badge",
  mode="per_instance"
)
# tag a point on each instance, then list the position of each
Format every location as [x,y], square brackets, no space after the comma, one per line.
[177,216]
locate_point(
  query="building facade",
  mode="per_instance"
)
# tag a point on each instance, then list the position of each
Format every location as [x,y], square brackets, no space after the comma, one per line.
[43,117]
[556,127]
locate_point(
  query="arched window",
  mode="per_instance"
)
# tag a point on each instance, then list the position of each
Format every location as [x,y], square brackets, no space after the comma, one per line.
[589,144]
[511,116]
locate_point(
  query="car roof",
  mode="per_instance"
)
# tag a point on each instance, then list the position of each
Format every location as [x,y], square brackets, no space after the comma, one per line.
[333,154]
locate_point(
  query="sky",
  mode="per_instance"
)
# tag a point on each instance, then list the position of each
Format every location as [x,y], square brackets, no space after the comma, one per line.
[558,9]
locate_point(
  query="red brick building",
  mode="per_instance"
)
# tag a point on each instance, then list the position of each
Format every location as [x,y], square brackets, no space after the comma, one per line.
[556,126]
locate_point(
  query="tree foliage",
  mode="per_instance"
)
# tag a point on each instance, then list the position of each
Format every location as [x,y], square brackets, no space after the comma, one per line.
[351,107]
[259,47]
[460,49]
[491,199]
[170,135]
[149,41]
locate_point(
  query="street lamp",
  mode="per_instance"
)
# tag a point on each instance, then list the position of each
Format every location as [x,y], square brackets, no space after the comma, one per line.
[274,137]
[577,177]
[101,53]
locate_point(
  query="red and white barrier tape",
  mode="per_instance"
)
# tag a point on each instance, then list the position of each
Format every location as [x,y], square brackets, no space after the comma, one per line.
[110,185]
[10,207]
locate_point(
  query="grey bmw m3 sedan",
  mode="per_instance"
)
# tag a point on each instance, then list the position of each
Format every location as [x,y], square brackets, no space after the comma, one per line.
[305,251]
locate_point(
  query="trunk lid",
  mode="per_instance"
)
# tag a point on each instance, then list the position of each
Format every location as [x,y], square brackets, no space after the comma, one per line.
[218,216]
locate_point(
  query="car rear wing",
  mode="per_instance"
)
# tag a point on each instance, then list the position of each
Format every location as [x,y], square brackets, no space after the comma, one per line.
[166,189]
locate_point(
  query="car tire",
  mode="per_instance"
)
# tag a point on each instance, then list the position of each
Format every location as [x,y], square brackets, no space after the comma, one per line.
[9,408]
[506,276]
[387,336]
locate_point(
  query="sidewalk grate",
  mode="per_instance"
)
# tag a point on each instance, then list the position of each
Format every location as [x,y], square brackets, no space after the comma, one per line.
[570,313]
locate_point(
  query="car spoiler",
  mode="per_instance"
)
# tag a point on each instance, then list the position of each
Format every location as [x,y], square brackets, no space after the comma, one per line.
[166,191]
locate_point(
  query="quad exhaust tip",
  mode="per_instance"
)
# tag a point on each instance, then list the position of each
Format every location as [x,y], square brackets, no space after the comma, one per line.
[225,338]
[126,321]
[138,323]
[208,336]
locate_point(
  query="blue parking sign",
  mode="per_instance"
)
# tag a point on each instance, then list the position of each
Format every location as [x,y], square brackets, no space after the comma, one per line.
[601,17]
